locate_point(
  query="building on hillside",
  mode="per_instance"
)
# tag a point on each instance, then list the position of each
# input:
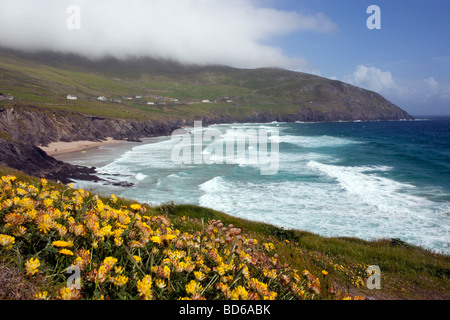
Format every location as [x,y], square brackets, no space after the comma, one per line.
[102,98]
[71,97]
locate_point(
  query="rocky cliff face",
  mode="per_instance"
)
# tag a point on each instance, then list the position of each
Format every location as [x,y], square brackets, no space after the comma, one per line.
[32,160]
[22,129]
[41,126]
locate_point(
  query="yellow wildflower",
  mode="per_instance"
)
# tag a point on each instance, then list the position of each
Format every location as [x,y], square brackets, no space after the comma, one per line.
[9,178]
[269,246]
[100,205]
[69,294]
[62,244]
[160,283]
[137,258]
[271,296]
[156,239]
[48,202]
[21,192]
[106,231]
[32,266]
[79,229]
[113,198]
[193,287]
[170,237]
[220,270]
[45,223]
[109,262]
[259,286]
[135,206]
[66,252]
[44,182]
[44,227]
[118,241]
[43,295]
[239,292]
[200,276]
[162,271]
[272,274]
[119,280]
[20,231]
[144,287]
[101,274]
[27,203]
[61,229]
[78,201]
[7,203]
[6,240]
[119,269]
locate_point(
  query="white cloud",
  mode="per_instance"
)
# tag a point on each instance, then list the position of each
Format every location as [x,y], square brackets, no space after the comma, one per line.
[372,78]
[232,32]
[432,84]
[413,95]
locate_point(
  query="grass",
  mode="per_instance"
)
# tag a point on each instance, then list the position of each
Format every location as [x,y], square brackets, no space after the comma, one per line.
[46,84]
[336,267]
[408,272]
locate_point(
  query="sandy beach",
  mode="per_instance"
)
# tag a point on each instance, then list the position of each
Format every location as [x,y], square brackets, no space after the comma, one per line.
[59,148]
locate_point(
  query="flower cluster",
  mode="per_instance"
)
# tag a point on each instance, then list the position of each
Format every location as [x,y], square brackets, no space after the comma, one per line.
[134,252]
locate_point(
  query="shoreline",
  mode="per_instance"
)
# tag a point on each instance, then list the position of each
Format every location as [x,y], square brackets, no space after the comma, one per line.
[63,148]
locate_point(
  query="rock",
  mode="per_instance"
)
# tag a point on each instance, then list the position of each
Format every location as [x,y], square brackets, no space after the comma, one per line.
[35,162]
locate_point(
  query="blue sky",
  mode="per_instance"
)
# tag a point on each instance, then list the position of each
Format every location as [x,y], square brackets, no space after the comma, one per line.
[407,60]
[412,45]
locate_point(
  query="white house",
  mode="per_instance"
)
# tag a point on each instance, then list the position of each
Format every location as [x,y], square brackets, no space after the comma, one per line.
[71,97]
[6,98]
[151,103]
[206,101]
[102,98]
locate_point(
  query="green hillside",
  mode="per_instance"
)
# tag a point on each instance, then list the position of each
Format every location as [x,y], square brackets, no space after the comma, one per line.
[148,89]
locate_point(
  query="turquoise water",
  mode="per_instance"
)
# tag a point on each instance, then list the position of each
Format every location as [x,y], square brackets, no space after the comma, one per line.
[361,179]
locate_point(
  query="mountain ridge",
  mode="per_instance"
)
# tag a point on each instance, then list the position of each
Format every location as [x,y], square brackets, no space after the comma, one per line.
[147,97]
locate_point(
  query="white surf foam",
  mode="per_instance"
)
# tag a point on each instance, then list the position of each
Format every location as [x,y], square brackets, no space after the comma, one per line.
[317,141]
[381,208]
[383,193]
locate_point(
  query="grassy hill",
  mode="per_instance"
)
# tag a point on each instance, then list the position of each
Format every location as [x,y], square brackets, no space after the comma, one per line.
[177,91]
[187,252]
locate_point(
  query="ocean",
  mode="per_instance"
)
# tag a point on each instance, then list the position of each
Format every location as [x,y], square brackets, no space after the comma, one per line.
[371,180]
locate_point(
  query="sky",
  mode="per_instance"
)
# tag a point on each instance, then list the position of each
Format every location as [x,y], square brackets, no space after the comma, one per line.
[407,59]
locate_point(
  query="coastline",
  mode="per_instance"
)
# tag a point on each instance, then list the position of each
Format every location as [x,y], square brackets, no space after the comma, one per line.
[63,148]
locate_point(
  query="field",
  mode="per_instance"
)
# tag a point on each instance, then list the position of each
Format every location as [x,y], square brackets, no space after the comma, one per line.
[46,85]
